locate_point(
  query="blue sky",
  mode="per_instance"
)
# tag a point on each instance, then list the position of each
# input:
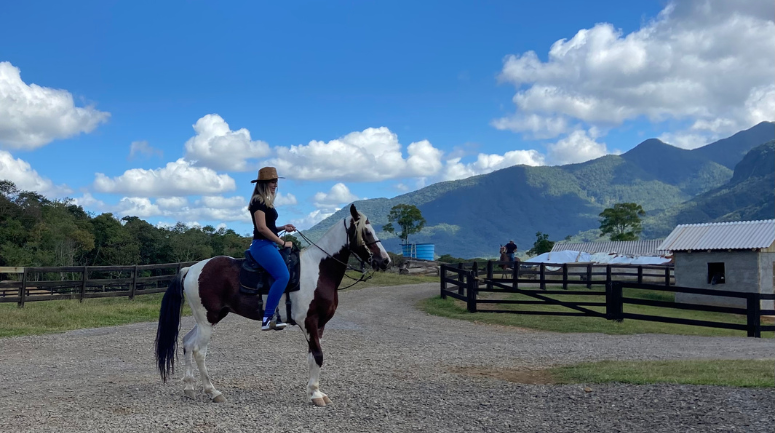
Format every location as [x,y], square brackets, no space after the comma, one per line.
[165,110]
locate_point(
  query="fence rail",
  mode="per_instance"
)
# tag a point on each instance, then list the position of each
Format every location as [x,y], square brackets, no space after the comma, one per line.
[46,283]
[465,284]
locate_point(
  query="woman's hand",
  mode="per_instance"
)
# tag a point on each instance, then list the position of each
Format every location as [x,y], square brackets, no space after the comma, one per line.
[290,228]
[288,244]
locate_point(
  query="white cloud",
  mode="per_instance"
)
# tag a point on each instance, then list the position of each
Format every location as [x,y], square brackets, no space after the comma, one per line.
[178,178]
[338,195]
[87,201]
[311,219]
[371,155]
[484,163]
[206,208]
[32,116]
[701,61]
[537,126]
[142,148]
[171,203]
[25,178]
[135,206]
[576,147]
[217,147]
[285,200]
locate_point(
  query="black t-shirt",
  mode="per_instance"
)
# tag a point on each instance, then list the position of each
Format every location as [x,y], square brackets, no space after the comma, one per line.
[270,216]
[510,248]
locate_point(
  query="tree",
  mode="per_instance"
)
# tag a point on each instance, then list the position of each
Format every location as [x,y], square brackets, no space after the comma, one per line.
[408,217]
[622,221]
[541,245]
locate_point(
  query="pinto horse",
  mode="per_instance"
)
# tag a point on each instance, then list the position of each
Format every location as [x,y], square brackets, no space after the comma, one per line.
[211,287]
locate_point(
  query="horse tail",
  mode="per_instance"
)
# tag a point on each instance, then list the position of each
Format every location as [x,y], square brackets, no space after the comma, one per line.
[169,325]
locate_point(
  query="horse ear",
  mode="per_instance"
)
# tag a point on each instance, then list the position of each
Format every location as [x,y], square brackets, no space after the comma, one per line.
[354,212]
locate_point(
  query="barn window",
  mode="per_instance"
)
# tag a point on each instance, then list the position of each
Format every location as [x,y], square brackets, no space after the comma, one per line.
[716,273]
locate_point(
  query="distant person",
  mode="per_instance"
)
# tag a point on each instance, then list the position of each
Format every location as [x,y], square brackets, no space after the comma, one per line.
[511,250]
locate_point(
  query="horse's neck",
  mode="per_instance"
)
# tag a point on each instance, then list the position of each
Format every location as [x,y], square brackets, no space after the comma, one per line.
[334,242]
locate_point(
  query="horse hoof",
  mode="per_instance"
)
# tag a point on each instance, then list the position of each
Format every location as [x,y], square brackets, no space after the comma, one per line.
[219,399]
[327,400]
[190,393]
[319,402]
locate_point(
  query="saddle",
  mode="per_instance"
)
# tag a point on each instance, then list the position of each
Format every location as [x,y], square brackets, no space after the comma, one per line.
[255,280]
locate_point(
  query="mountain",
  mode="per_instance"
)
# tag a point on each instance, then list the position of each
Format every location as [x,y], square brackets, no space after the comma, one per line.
[749,195]
[472,217]
[729,151]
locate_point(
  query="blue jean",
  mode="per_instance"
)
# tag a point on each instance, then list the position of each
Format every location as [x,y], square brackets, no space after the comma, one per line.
[267,255]
[511,256]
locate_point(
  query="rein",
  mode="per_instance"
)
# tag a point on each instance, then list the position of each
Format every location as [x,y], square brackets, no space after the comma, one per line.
[346,265]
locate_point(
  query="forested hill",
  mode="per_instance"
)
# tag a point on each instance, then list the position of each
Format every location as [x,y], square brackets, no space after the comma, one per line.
[472,217]
[749,195]
[35,231]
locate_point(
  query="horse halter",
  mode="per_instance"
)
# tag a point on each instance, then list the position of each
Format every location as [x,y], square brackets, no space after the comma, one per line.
[355,240]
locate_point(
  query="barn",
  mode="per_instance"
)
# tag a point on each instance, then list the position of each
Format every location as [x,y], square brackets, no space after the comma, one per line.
[729,256]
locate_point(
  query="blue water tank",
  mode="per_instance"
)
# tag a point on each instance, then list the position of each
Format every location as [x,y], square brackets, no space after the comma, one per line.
[418,251]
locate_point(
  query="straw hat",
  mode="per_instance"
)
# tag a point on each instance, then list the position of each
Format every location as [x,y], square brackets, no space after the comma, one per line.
[266,173]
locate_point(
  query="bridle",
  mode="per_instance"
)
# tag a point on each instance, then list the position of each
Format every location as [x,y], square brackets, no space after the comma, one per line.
[357,233]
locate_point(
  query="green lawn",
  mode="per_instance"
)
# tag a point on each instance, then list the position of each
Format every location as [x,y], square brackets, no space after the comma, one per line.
[743,373]
[453,308]
[385,279]
[43,317]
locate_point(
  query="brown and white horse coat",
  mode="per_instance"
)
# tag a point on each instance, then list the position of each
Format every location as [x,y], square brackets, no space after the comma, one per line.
[212,289]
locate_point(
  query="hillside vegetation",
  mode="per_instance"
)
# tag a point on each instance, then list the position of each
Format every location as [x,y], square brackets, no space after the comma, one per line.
[474,216]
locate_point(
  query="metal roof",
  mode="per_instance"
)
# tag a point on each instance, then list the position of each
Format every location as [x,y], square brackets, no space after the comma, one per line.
[721,236]
[629,248]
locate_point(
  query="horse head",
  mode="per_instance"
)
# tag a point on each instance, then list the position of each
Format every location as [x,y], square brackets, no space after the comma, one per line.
[364,243]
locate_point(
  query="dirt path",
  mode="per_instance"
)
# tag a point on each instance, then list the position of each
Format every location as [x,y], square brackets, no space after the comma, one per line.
[388,367]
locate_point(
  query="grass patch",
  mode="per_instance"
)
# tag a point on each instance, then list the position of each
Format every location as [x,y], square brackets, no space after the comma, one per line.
[455,309]
[43,317]
[379,279]
[741,373]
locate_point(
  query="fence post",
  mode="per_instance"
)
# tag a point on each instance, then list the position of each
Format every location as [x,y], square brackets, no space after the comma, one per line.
[489,274]
[543,276]
[22,290]
[471,295]
[589,275]
[607,274]
[640,274]
[614,309]
[515,276]
[564,276]
[134,284]
[443,279]
[83,283]
[460,278]
[754,323]
[667,276]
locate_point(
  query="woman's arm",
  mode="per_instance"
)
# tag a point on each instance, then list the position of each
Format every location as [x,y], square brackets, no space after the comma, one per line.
[260,217]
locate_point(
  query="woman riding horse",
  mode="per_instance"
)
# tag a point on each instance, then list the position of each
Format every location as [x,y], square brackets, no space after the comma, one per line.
[212,290]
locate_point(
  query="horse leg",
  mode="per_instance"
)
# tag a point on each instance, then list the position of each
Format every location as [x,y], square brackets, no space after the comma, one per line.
[188,347]
[201,340]
[315,360]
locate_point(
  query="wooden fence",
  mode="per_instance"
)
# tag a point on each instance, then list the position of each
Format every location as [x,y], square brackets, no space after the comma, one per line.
[465,283]
[81,282]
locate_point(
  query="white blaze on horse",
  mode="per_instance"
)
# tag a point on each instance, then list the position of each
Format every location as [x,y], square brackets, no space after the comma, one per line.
[212,290]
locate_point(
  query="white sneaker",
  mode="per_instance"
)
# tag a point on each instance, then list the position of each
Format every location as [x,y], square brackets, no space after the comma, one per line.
[266,324]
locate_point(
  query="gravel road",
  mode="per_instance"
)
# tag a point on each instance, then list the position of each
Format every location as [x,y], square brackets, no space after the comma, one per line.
[388,368]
